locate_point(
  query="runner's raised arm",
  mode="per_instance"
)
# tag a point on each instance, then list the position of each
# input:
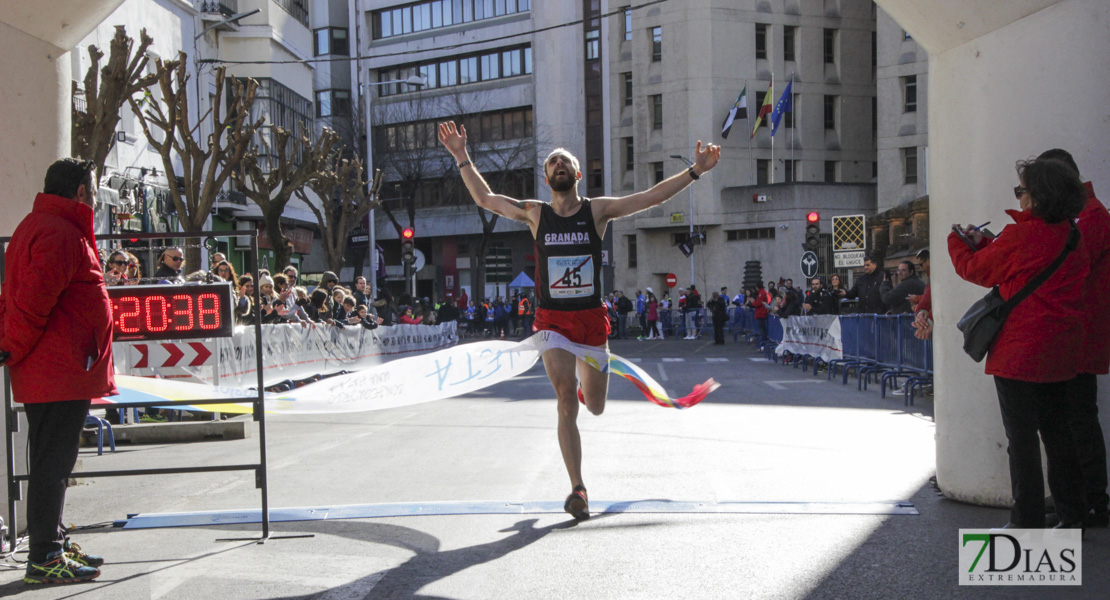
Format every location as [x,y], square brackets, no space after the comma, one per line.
[454,139]
[615,208]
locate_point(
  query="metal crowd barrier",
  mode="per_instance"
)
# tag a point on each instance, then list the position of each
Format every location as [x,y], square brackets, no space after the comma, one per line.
[876,347]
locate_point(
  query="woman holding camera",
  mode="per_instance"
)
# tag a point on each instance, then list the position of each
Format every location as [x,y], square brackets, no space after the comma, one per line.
[1038,349]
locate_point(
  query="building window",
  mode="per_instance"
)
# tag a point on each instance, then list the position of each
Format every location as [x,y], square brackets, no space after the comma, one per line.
[906,36]
[657,111]
[759,233]
[789,170]
[457,70]
[627,88]
[631,251]
[332,40]
[593,47]
[760,40]
[830,46]
[788,42]
[656,44]
[629,154]
[493,126]
[333,103]
[657,172]
[627,23]
[762,166]
[390,22]
[909,93]
[909,165]
[830,112]
[281,107]
[830,171]
[595,177]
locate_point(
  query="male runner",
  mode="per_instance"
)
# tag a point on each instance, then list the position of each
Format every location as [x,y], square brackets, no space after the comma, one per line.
[568,234]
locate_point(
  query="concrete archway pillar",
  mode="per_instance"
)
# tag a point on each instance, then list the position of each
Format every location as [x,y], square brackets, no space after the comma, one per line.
[1006,81]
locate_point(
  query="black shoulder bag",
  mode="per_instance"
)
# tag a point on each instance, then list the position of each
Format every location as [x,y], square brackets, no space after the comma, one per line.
[982,322]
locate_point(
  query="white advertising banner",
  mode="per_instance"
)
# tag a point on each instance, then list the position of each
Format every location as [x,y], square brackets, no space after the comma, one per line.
[817,335]
[291,352]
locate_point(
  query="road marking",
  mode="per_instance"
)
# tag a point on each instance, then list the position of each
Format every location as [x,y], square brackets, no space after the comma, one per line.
[674,360]
[778,385]
[718,360]
[760,359]
[634,360]
[662,373]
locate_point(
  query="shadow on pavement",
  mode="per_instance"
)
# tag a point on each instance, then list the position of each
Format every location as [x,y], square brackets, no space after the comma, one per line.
[918,557]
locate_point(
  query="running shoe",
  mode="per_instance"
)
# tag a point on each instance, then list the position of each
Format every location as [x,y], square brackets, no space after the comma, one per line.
[74,552]
[59,568]
[576,504]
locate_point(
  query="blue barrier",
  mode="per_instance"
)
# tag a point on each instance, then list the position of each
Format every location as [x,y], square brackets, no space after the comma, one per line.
[877,347]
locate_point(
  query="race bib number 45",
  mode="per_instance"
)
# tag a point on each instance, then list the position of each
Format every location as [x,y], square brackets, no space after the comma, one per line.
[570,276]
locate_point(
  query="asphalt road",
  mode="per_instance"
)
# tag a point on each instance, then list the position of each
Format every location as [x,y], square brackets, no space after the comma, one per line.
[795,453]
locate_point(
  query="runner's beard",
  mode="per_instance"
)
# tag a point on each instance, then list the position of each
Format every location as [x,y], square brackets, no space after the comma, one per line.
[562,183]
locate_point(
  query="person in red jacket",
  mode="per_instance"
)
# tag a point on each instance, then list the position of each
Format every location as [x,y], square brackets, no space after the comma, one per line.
[1038,350]
[1094,225]
[56,327]
[760,301]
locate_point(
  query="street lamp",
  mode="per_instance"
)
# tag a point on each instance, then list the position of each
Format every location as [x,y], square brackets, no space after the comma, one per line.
[690,195]
[373,250]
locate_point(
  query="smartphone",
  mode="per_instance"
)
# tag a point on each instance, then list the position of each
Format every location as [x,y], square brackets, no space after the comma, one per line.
[963,236]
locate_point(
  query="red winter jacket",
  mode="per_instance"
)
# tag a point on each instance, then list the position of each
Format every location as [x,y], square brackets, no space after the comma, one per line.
[1042,339]
[55,317]
[1094,224]
[759,302]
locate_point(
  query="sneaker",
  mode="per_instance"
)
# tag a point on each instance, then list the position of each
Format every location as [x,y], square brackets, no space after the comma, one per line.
[576,504]
[74,552]
[59,568]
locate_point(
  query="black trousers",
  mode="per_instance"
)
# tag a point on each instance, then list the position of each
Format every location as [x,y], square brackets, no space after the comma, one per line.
[53,437]
[718,332]
[1029,409]
[1089,440]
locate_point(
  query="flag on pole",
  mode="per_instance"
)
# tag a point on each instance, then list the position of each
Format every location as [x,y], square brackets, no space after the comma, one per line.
[739,110]
[785,105]
[764,109]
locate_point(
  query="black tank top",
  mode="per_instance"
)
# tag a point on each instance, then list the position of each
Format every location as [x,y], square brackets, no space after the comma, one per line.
[568,260]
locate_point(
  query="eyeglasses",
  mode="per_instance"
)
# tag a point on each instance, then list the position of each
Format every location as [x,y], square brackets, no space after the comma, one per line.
[117,262]
[1020,191]
[176,258]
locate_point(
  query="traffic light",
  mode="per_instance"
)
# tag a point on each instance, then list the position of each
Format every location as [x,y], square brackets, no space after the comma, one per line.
[813,231]
[408,246]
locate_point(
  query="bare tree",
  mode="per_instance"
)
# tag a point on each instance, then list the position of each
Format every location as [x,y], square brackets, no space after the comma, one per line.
[106,91]
[296,161]
[344,202]
[407,151]
[206,165]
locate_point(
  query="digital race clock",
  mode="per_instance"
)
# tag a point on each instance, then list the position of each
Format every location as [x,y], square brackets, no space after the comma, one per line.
[171,312]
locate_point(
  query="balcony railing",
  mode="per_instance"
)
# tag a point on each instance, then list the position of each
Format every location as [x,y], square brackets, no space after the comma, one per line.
[226,8]
[297,8]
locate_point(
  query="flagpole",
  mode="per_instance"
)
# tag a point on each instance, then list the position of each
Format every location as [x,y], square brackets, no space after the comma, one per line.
[771,174]
[793,175]
[747,127]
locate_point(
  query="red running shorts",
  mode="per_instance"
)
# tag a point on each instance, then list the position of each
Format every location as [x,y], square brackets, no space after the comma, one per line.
[589,327]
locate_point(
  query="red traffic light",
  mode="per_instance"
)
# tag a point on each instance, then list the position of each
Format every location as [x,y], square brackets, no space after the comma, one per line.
[813,217]
[407,233]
